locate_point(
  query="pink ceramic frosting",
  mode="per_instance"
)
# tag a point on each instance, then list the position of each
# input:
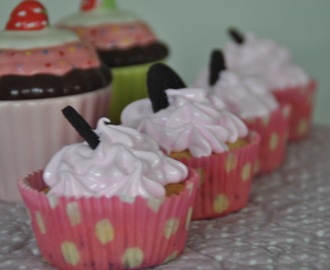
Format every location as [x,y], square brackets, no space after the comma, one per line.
[265,59]
[110,29]
[48,51]
[246,97]
[188,123]
[117,36]
[125,163]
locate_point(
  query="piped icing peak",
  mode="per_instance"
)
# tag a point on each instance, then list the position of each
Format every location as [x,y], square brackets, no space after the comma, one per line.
[29,15]
[265,59]
[125,163]
[88,5]
[246,97]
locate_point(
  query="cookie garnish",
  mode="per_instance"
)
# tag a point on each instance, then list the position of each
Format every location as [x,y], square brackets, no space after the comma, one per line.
[236,35]
[160,77]
[28,15]
[217,65]
[81,126]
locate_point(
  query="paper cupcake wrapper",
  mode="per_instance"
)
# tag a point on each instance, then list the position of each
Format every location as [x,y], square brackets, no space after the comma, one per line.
[129,84]
[225,180]
[273,131]
[36,129]
[108,233]
[302,100]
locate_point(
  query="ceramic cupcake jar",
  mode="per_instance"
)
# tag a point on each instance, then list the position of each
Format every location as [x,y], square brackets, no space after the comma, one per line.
[124,42]
[188,128]
[42,69]
[121,202]
[252,101]
[264,58]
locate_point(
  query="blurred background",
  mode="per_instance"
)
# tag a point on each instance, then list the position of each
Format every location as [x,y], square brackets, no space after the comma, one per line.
[192,28]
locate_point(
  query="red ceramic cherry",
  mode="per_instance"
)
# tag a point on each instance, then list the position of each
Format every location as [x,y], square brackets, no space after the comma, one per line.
[28,15]
[88,4]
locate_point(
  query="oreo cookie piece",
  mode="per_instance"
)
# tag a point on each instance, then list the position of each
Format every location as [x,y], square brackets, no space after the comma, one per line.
[160,77]
[217,64]
[236,35]
[81,126]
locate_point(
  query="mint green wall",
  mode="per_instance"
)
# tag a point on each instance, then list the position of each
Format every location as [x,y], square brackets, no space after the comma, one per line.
[193,27]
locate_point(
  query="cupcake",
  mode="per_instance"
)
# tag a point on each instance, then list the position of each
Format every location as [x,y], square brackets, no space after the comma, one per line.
[187,128]
[263,58]
[121,203]
[42,69]
[250,100]
[124,42]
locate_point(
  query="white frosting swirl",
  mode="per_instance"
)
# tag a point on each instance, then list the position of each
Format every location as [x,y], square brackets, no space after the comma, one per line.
[246,97]
[188,123]
[21,40]
[100,16]
[265,59]
[125,163]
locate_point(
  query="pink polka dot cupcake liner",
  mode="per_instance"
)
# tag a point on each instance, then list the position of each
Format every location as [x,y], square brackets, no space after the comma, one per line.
[302,100]
[108,233]
[225,179]
[273,131]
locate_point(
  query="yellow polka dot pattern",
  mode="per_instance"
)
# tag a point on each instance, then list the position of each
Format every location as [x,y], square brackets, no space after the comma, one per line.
[286,112]
[70,253]
[257,166]
[246,171]
[171,227]
[73,213]
[189,215]
[104,231]
[265,120]
[190,187]
[52,201]
[220,203]
[231,162]
[155,204]
[171,257]
[133,257]
[302,127]
[40,222]
[273,141]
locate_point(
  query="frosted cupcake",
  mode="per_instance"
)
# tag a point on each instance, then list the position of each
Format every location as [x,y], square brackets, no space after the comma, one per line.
[122,203]
[124,42]
[263,58]
[214,142]
[250,100]
[42,70]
